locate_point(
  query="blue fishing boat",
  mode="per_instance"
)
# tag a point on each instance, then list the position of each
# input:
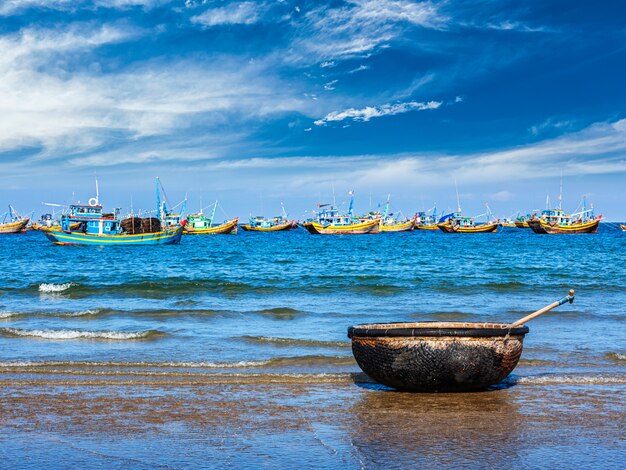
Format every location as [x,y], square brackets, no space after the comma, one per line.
[87,224]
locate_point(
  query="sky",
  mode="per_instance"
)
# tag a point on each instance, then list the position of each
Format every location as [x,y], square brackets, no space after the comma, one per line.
[255,103]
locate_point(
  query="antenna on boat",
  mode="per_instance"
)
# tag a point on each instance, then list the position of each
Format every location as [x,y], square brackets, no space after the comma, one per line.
[458,201]
[547,201]
[97,192]
[284,211]
[334,202]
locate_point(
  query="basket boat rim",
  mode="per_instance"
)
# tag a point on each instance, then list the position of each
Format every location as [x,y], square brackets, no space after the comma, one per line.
[435,329]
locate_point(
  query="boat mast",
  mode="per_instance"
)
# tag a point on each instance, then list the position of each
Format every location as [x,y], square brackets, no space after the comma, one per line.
[561,193]
[351,193]
[284,211]
[158,200]
[386,206]
[213,214]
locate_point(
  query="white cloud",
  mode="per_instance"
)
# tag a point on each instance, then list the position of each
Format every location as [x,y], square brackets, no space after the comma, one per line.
[358,28]
[67,112]
[370,112]
[13,7]
[235,13]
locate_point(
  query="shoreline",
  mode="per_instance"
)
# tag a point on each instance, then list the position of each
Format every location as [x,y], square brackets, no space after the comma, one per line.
[289,420]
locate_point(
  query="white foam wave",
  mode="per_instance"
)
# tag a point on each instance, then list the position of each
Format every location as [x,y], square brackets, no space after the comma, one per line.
[77,334]
[49,288]
[82,313]
[8,314]
[570,379]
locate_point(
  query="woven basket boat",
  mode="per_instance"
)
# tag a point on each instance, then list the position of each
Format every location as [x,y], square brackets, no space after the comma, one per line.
[437,356]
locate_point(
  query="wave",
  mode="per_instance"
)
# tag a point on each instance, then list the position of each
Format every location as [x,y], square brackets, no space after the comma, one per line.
[266,363]
[295,342]
[616,356]
[78,334]
[54,288]
[565,379]
[279,312]
[9,314]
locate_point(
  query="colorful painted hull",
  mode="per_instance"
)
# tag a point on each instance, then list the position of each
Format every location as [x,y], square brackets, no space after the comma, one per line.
[402,227]
[542,227]
[447,227]
[362,228]
[623,227]
[14,227]
[427,227]
[170,236]
[522,224]
[226,228]
[276,228]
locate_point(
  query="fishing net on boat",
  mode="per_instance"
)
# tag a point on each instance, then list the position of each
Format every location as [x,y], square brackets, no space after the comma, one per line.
[132,225]
[151,225]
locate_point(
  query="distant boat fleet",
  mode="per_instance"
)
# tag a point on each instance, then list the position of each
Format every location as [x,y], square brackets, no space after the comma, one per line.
[88,224]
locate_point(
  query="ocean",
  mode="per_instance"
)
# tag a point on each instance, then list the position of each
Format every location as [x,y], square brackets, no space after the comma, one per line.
[232,350]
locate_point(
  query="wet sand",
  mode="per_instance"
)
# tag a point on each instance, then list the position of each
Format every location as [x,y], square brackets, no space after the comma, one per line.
[305,420]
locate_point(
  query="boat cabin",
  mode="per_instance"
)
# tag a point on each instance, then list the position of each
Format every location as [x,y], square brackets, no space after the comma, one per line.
[91,220]
[332,216]
[556,216]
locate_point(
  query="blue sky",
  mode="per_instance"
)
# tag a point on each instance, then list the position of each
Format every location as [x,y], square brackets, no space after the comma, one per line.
[256,103]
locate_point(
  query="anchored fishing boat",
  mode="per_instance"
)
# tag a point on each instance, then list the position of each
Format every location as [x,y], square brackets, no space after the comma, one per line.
[441,356]
[555,221]
[457,223]
[329,221]
[275,224]
[200,224]
[427,220]
[13,222]
[390,222]
[87,224]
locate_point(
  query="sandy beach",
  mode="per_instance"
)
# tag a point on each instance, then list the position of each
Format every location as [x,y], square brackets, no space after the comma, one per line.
[106,418]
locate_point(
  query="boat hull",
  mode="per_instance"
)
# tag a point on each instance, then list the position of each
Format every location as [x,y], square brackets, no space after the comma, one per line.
[447,227]
[427,227]
[226,228]
[408,226]
[522,224]
[542,227]
[166,237]
[363,228]
[14,227]
[276,228]
[623,227]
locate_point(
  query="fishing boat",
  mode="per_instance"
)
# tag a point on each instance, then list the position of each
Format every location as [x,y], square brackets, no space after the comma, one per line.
[13,222]
[623,227]
[390,222]
[329,221]
[87,224]
[555,221]
[199,224]
[97,228]
[262,224]
[275,224]
[427,220]
[457,223]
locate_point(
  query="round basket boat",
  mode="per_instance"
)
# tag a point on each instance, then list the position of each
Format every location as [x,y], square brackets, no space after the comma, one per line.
[437,356]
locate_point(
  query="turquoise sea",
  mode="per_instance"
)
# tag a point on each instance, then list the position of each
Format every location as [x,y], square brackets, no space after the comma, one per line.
[236,314]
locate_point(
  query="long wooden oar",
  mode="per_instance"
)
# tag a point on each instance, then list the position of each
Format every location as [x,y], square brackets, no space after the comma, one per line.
[527,318]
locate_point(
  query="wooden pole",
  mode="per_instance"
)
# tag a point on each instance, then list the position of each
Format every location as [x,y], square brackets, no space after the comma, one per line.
[521,321]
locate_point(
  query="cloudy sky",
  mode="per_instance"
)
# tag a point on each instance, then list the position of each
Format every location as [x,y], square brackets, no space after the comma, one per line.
[258,102]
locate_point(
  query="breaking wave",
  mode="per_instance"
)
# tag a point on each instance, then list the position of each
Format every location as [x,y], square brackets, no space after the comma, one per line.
[53,288]
[79,334]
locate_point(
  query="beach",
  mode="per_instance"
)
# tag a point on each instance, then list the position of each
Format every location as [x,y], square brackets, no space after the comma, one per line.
[305,421]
